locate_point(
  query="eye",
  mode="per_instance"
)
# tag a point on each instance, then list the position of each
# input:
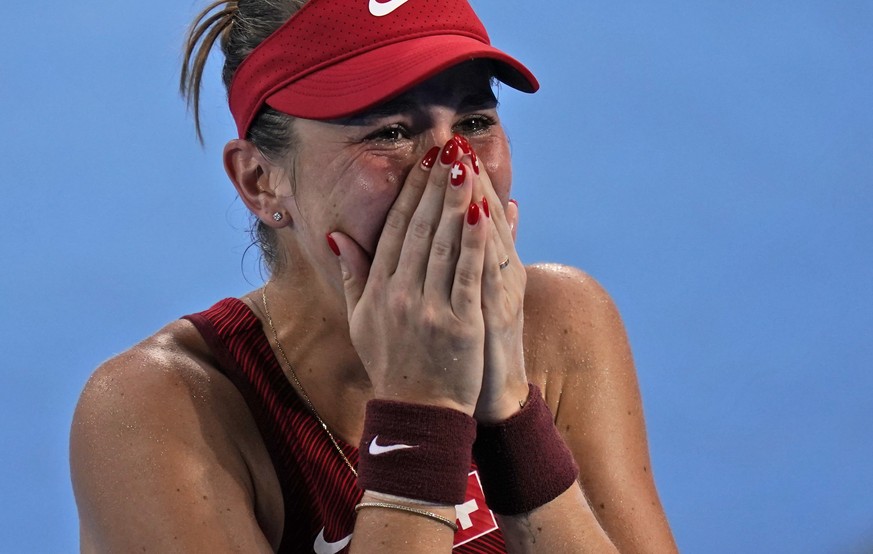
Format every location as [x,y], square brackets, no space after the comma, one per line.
[475,124]
[390,133]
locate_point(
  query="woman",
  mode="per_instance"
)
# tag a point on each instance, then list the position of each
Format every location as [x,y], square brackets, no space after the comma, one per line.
[397,317]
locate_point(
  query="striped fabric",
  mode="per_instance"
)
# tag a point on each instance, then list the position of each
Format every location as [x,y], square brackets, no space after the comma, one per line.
[318,489]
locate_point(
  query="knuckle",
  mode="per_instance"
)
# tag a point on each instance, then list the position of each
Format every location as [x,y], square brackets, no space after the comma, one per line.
[437,180]
[466,276]
[431,321]
[417,181]
[396,220]
[509,319]
[399,302]
[442,249]
[421,229]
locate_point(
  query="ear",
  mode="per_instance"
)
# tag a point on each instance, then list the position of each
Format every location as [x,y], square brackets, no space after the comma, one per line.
[257,181]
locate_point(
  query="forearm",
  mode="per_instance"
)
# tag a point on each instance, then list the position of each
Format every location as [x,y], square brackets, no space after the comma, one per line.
[380,529]
[566,524]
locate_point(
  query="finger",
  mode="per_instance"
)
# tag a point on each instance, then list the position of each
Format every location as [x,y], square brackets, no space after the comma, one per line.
[504,274]
[512,218]
[446,244]
[512,275]
[493,286]
[355,266]
[415,253]
[397,221]
[484,187]
[467,283]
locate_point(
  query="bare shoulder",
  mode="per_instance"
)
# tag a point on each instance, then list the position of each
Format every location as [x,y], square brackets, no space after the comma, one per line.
[560,289]
[138,380]
[577,350]
[570,322]
[166,378]
[160,436]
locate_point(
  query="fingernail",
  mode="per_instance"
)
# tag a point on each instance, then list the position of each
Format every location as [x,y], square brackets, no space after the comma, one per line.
[458,173]
[464,144]
[475,161]
[430,158]
[450,152]
[485,207]
[473,214]
[332,244]
[514,201]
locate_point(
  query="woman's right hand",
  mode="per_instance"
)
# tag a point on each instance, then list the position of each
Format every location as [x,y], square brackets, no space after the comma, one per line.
[415,312]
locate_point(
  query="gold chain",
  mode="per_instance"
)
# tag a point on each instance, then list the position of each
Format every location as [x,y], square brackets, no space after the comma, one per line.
[299,385]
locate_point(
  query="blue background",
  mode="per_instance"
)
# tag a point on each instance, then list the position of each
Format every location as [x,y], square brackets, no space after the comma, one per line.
[709,163]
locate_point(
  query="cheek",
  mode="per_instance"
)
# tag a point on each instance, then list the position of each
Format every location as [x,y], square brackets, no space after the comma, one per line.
[363,200]
[498,163]
[374,181]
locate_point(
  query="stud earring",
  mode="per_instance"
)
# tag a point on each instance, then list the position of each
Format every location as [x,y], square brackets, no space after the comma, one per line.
[277,216]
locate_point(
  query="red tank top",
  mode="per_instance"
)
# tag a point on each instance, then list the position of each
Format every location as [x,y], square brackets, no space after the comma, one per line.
[319,490]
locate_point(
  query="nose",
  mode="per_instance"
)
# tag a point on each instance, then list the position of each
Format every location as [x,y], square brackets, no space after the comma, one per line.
[442,135]
[441,130]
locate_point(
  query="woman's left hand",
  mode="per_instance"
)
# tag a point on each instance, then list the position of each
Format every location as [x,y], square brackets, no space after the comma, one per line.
[505,383]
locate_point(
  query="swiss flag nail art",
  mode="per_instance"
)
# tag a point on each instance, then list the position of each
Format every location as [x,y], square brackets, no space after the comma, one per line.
[458,173]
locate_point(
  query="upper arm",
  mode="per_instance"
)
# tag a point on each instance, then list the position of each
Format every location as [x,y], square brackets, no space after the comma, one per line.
[155,463]
[579,353]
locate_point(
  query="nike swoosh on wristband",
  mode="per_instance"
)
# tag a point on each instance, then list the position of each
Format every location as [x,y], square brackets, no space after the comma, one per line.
[377,449]
[321,546]
[380,9]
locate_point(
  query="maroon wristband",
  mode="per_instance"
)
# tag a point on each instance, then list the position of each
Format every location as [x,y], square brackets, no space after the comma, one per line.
[416,451]
[523,462]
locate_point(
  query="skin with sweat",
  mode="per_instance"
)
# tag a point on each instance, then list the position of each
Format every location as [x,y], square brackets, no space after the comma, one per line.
[162,439]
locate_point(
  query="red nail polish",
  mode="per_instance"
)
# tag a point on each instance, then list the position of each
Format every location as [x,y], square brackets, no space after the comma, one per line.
[475,161]
[458,174]
[473,214]
[450,152]
[464,144]
[430,158]
[514,201]
[485,207]
[332,244]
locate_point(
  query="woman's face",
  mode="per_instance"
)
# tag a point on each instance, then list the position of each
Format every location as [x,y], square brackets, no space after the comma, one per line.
[348,172]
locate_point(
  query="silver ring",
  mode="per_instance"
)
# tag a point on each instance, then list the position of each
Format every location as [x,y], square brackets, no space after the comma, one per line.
[504,263]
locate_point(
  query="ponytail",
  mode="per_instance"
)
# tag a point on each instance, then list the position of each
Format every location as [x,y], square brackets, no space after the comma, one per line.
[205,30]
[241,25]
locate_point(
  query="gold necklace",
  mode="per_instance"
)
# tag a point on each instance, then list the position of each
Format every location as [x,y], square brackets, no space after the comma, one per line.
[299,385]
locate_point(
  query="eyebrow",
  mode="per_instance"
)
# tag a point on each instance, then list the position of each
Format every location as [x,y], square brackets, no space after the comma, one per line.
[479,100]
[403,105]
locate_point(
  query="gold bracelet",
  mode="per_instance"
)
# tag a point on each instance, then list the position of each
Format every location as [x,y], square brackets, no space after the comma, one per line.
[430,515]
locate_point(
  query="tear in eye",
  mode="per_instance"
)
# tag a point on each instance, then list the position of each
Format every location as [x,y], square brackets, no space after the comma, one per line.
[474,124]
[392,133]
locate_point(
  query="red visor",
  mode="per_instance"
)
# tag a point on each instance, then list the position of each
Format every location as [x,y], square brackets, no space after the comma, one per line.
[335,58]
